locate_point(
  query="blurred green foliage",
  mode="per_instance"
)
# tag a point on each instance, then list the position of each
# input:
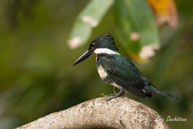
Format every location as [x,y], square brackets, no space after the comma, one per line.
[36,73]
[88,19]
[134,22]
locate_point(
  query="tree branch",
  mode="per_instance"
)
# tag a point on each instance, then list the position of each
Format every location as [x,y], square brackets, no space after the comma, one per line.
[121,113]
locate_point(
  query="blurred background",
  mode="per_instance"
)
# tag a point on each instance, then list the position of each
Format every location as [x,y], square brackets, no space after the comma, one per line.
[36,73]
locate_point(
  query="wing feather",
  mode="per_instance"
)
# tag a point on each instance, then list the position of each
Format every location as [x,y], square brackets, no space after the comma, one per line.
[124,73]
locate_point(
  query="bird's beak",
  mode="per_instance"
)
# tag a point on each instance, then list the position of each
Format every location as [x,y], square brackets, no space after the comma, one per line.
[83,56]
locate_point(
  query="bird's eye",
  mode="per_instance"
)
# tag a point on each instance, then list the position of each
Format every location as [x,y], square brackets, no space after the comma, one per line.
[93,43]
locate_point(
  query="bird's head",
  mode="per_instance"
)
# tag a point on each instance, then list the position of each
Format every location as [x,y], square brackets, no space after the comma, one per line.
[103,44]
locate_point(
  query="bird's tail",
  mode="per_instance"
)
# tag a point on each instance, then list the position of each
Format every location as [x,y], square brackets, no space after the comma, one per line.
[157,91]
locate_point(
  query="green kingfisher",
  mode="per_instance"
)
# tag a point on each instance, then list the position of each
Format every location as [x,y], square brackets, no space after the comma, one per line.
[117,70]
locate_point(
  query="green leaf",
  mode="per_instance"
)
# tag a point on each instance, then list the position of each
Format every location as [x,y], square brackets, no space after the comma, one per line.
[89,18]
[136,28]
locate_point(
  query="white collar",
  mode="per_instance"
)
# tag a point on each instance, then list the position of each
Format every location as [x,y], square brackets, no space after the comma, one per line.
[105,51]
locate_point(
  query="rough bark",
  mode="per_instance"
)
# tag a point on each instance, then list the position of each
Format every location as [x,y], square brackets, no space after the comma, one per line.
[120,113]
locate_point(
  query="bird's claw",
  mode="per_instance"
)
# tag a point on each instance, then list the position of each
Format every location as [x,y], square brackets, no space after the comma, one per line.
[121,93]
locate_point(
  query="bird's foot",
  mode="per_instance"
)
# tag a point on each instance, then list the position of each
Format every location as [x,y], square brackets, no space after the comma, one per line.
[112,96]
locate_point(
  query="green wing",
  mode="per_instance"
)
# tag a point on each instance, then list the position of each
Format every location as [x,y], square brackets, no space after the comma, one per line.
[123,72]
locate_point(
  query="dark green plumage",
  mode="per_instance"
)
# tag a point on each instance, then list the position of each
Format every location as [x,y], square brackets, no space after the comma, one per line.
[122,72]
[118,71]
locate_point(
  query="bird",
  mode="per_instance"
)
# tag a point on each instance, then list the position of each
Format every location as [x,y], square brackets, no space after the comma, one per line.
[118,71]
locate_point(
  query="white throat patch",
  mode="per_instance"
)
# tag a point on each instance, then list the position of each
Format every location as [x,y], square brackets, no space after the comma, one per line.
[105,51]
